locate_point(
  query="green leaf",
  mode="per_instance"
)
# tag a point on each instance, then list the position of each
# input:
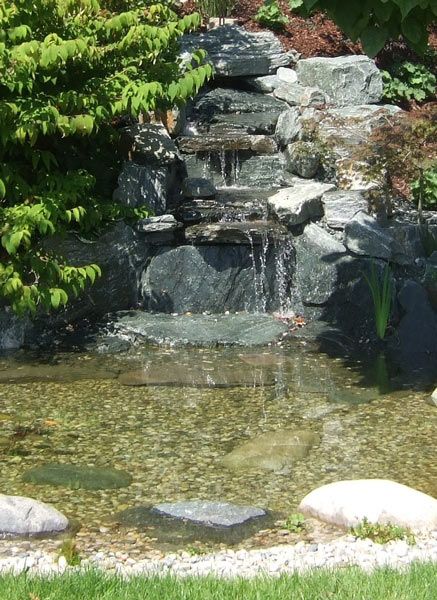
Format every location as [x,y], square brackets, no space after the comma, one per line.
[373,39]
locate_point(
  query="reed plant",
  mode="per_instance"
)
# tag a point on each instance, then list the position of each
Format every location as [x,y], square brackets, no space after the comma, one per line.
[381,288]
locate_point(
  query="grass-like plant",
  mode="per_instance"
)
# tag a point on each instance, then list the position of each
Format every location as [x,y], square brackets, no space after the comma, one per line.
[382,533]
[381,288]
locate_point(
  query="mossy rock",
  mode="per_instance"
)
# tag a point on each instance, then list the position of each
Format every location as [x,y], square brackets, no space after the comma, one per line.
[78,477]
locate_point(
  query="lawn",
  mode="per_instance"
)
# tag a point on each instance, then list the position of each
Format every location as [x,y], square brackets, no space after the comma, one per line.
[418,583]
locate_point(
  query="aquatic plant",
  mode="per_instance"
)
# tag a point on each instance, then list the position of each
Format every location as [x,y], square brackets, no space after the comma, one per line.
[381,288]
[295,523]
[381,533]
[69,551]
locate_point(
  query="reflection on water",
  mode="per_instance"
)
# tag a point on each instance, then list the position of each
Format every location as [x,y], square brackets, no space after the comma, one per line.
[170,416]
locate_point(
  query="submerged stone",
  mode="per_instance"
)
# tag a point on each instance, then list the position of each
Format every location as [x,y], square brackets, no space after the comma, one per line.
[78,477]
[201,330]
[25,516]
[273,451]
[210,514]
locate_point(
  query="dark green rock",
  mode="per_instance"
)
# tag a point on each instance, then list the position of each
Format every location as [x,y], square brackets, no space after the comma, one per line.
[78,477]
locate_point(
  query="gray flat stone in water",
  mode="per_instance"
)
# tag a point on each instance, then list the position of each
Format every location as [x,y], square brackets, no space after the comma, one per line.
[25,516]
[78,477]
[201,330]
[210,514]
[273,451]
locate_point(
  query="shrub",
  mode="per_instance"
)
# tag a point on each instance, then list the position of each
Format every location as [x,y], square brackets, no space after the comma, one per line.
[424,188]
[70,69]
[408,81]
[271,15]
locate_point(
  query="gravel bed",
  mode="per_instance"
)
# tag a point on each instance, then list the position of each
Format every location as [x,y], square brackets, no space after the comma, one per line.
[342,552]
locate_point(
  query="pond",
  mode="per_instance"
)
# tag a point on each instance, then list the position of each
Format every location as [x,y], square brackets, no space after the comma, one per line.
[196,406]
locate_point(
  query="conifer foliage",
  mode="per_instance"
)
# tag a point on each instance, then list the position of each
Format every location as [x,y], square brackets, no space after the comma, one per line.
[70,69]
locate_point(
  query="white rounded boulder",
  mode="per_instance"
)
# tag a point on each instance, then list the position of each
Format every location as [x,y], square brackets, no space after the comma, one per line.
[25,516]
[348,503]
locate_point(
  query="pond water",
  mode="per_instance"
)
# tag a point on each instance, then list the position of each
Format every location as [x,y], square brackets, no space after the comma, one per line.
[172,435]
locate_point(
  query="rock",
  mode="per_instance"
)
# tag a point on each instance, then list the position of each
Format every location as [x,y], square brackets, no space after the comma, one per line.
[78,477]
[235,52]
[200,330]
[288,127]
[240,169]
[245,232]
[13,329]
[272,451]
[258,123]
[148,144]
[319,258]
[297,204]
[415,343]
[221,376]
[302,159]
[158,230]
[210,514]
[213,278]
[198,187]
[340,207]
[346,80]
[264,84]
[432,400]
[363,235]
[25,516]
[120,253]
[286,75]
[140,185]
[229,101]
[260,144]
[348,503]
[298,95]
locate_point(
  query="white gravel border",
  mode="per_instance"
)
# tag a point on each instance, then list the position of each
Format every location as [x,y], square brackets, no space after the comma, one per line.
[345,551]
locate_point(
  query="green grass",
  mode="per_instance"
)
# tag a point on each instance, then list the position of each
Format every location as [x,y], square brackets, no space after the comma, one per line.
[417,583]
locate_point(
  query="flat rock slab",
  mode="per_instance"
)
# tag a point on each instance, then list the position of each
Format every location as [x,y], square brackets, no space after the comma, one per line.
[272,451]
[348,503]
[221,376]
[220,101]
[235,52]
[297,204]
[78,477]
[25,516]
[201,330]
[210,514]
[237,232]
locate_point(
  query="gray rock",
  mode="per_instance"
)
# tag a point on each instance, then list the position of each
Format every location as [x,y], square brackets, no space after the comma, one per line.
[159,230]
[346,80]
[288,127]
[210,514]
[297,204]
[235,52]
[25,516]
[264,84]
[201,330]
[302,159]
[259,144]
[298,95]
[198,187]
[78,477]
[245,232]
[259,123]
[13,329]
[228,101]
[120,253]
[140,185]
[286,75]
[341,206]
[273,451]
[432,400]
[318,258]
[148,144]
[366,237]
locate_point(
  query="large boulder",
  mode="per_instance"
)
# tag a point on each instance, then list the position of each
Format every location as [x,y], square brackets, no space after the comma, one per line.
[348,503]
[272,451]
[149,144]
[302,159]
[346,80]
[235,52]
[300,203]
[25,516]
[341,206]
[212,278]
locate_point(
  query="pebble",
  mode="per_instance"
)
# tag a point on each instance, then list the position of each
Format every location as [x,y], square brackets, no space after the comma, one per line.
[273,561]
